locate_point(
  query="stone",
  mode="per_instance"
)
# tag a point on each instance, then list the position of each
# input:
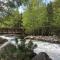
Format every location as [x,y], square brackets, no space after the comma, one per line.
[42,56]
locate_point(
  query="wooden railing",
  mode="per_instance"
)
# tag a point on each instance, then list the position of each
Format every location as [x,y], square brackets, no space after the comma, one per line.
[11,30]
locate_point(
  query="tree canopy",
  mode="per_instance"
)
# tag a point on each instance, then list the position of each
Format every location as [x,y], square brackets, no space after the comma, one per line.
[38,18]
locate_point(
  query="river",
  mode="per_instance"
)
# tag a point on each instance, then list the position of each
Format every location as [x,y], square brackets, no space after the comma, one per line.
[53,50]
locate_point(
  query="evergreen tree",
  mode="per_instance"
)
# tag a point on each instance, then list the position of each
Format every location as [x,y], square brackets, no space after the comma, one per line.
[50,19]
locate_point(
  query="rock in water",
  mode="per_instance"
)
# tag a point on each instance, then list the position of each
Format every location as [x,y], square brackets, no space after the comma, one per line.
[42,56]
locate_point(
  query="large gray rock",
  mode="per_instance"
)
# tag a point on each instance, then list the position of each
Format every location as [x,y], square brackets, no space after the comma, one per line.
[42,56]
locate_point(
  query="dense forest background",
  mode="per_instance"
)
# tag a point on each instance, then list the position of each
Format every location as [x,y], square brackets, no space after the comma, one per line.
[38,18]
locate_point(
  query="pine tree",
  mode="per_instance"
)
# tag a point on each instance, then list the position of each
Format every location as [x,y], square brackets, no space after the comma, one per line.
[50,19]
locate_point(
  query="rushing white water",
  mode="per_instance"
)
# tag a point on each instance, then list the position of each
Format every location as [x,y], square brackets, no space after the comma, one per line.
[53,50]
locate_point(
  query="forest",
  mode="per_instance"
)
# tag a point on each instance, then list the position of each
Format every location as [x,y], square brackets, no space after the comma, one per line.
[38,18]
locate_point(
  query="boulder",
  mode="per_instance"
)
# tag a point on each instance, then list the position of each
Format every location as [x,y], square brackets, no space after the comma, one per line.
[2,40]
[42,56]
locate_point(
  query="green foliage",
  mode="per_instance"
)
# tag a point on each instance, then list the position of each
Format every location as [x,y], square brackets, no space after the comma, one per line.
[57,3]
[34,17]
[50,20]
[40,19]
[13,20]
[56,23]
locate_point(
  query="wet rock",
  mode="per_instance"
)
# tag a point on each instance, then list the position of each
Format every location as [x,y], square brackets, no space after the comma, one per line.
[2,41]
[42,56]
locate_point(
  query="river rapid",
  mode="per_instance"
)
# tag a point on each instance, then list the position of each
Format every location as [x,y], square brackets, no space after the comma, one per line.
[53,50]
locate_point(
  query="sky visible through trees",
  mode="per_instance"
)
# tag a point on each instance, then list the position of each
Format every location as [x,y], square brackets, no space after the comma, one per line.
[22,8]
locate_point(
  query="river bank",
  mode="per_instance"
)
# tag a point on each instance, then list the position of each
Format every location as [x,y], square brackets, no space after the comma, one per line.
[51,39]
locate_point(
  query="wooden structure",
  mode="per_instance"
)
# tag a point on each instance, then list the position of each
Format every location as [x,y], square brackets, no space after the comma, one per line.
[11,30]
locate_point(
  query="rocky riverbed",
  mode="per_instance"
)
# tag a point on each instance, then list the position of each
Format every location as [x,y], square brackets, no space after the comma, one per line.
[52,39]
